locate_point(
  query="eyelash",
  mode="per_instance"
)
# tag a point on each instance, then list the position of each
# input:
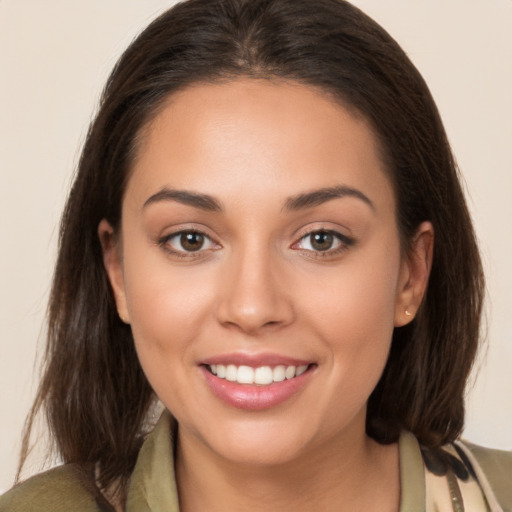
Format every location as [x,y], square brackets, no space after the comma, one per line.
[344,243]
[164,242]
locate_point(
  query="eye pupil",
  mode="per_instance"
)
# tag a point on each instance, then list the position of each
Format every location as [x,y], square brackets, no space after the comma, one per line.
[322,240]
[192,241]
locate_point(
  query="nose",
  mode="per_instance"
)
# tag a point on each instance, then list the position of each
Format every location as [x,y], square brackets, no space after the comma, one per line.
[253,296]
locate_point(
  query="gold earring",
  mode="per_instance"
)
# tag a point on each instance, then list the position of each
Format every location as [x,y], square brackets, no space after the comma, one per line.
[408,313]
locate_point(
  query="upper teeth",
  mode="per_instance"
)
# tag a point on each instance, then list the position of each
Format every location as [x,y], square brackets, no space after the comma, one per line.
[261,375]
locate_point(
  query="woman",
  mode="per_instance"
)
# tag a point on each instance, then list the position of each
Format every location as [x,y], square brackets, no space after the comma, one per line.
[262,203]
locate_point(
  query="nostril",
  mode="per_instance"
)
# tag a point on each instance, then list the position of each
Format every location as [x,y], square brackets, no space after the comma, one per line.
[251,303]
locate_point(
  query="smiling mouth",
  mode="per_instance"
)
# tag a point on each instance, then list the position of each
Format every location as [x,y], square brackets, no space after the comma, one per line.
[260,376]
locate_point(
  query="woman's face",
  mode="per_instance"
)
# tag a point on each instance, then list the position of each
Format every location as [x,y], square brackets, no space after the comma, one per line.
[259,242]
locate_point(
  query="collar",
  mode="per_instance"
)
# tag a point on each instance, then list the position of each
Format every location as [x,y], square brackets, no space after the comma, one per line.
[153,483]
[412,474]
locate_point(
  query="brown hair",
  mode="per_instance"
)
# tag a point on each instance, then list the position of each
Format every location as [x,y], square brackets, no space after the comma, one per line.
[93,390]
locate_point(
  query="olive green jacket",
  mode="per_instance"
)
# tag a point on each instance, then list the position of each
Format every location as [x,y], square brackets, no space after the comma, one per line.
[153,485]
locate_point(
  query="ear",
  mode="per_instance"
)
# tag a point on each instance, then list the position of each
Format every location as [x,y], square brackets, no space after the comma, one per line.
[414,274]
[112,260]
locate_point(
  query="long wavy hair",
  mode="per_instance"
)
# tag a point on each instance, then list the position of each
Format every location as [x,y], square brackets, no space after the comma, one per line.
[93,391]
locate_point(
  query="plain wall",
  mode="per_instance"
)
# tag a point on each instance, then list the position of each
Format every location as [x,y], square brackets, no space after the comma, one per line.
[54,58]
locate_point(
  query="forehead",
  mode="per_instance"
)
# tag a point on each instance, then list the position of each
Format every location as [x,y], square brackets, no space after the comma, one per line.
[249,136]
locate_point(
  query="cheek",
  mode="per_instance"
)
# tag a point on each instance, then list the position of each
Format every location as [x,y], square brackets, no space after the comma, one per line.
[353,319]
[360,294]
[352,311]
[167,307]
[168,311]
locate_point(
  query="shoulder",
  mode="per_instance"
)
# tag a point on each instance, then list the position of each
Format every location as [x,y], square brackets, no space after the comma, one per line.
[493,469]
[495,460]
[57,490]
[459,472]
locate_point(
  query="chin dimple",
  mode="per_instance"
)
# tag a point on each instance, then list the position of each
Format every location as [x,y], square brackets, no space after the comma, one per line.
[261,376]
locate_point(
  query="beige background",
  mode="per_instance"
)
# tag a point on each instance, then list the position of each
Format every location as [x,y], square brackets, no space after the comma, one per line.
[54,58]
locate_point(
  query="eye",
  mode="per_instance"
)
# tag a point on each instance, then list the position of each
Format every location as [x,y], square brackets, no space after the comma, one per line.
[188,242]
[323,241]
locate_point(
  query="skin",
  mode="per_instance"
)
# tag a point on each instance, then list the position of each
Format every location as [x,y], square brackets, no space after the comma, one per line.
[258,285]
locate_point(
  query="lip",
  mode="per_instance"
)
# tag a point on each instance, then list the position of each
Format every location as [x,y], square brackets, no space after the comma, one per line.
[251,397]
[255,360]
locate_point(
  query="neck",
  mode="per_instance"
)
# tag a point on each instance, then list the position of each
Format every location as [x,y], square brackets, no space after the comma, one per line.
[350,473]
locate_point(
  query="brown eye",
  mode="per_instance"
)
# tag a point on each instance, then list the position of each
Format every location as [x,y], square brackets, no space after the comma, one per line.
[191,241]
[322,240]
[188,242]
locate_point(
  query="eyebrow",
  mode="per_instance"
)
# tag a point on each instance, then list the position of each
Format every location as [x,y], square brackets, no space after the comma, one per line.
[299,202]
[322,195]
[201,201]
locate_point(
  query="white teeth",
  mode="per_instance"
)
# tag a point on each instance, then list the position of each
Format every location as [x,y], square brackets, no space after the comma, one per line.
[262,376]
[289,372]
[301,370]
[279,374]
[245,375]
[231,373]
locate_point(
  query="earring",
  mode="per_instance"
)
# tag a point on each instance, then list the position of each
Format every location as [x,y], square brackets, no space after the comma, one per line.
[408,313]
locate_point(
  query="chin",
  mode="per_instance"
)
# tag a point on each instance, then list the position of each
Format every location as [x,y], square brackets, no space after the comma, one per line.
[266,450]
[258,441]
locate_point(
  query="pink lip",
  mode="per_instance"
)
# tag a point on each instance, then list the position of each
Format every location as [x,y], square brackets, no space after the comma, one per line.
[253,397]
[255,360]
